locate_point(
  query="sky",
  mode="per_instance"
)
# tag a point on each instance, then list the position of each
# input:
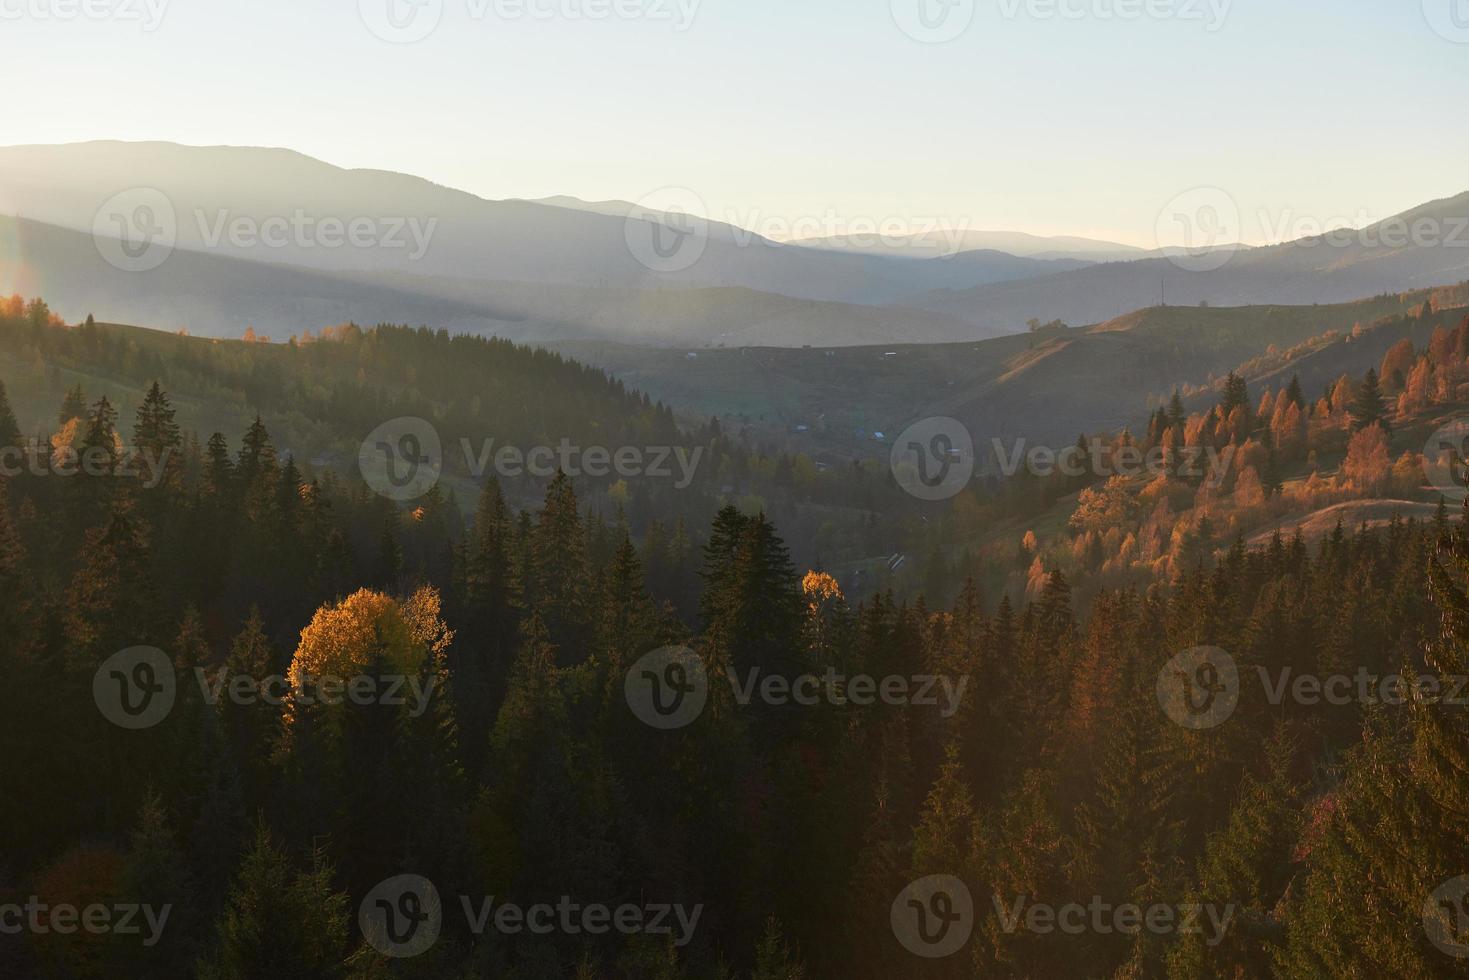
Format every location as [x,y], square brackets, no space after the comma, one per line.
[1100,118]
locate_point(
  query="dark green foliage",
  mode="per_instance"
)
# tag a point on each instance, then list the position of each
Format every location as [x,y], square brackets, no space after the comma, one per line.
[1369,407]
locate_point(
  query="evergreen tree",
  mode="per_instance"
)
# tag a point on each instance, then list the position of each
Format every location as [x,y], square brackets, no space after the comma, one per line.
[1177,414]
[73,406]
[155,429]
[280,922]
[1369,408]
[1295,394]
[10,435]
[562,571]
[1236,395]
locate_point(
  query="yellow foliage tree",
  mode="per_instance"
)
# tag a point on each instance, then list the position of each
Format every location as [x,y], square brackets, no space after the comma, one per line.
[344,639]
[1368,465]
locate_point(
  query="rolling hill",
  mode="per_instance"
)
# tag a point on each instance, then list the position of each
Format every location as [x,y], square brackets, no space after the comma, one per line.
[219,296]
[1044,389]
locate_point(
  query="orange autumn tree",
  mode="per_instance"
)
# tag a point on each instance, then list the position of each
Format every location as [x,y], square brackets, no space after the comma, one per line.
[1368,465]
[347,638]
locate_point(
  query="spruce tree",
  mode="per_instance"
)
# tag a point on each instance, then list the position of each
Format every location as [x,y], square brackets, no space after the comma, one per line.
[73,406]
[10,435]
[1369,408]
[1295,394]
[280,922]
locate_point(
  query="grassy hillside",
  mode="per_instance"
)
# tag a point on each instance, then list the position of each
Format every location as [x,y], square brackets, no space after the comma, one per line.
[1082,379]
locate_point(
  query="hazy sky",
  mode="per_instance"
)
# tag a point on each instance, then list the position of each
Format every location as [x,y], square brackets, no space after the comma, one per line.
[1052,116]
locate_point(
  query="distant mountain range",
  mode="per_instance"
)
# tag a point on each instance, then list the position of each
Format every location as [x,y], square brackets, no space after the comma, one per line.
[1387,257]
[210,188]
[218,295]
[561,269]
[1014,242]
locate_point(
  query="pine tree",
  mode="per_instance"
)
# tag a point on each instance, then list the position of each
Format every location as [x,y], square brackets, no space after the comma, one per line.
[157,875]
[10,435]
[218,476]
[1369,407]
[774,959]
[1391,836]
[73,406]
[1246,866]
[154,429]
[251,724]
[1294,393]
[1236,395]
[562,571]
[280,922]
[1177,414]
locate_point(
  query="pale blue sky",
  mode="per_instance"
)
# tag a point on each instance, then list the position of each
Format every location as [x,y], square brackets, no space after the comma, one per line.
[1305,109]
